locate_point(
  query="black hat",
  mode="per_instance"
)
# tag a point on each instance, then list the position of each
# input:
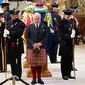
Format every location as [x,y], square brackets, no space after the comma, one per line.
[4,5]
[74,7]
[68,11]
[1,12]
[55,5]
[14,11]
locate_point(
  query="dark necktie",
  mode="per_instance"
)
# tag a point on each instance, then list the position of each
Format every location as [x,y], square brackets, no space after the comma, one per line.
[37,25]
[38,32]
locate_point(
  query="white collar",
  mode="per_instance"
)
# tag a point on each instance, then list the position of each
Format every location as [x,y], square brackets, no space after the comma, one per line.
[37,24]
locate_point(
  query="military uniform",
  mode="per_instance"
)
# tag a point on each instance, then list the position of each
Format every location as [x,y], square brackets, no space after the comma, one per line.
[2,66]
[2,58]
[14,31]
[66,44]
[55,36]
[6,15]
[15,45]
[65,47]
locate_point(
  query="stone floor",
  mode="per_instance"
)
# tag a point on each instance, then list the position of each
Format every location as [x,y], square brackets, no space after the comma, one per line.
[56,78]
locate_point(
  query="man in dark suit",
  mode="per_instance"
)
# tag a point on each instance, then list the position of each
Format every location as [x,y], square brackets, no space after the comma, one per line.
[13,33]
[36,35]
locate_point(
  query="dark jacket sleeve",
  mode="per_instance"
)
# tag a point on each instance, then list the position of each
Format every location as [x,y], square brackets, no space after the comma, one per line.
[28,35]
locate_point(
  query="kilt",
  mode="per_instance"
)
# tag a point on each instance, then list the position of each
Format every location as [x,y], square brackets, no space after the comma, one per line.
[34,60]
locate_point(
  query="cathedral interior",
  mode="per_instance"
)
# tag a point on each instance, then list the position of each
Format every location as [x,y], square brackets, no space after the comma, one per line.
[51,75]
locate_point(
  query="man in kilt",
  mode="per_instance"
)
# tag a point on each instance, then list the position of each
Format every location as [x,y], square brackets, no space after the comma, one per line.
[36,35]
[13,33]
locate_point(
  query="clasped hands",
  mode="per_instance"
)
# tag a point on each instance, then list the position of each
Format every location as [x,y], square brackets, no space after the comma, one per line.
[6,32]
[37,45]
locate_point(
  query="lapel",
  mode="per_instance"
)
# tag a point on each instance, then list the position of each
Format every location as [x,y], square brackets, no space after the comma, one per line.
[34,28]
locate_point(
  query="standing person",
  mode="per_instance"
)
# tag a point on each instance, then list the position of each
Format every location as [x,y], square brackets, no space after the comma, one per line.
[14,31]
[5,8]
[2,27]
[36,36]
[75,21]
[66,34]
[6,15]
[54,34]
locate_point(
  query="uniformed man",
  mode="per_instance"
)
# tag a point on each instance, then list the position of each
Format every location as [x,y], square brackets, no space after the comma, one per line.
[75,23]
[2,26]
[54,35]
[5,8]
[6,15]
[66,52]
[14,31]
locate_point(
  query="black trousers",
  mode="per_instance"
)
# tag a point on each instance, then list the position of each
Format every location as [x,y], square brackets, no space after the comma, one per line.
[53,54]
[16,68]
[66,65]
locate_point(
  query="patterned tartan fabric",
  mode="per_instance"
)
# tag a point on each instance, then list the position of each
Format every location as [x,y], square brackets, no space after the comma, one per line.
[42,59]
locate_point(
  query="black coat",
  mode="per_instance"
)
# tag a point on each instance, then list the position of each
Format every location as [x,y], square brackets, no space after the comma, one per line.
[55,21]
[2,26]
[14,40]
[65,29]
[34,35]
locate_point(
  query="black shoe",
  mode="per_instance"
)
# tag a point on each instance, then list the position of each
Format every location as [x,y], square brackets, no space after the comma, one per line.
[74,69]
[33,82]
[71,77]
[40,81]
[65,78]
[17,79]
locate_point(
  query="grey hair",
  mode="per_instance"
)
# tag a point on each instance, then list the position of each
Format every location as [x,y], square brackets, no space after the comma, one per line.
[37,14]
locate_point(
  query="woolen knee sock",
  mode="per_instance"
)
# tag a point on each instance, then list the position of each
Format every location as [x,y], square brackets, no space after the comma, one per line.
[39,69]
[34,72]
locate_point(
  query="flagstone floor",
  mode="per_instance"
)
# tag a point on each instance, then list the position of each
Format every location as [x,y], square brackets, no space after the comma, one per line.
[56,78]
